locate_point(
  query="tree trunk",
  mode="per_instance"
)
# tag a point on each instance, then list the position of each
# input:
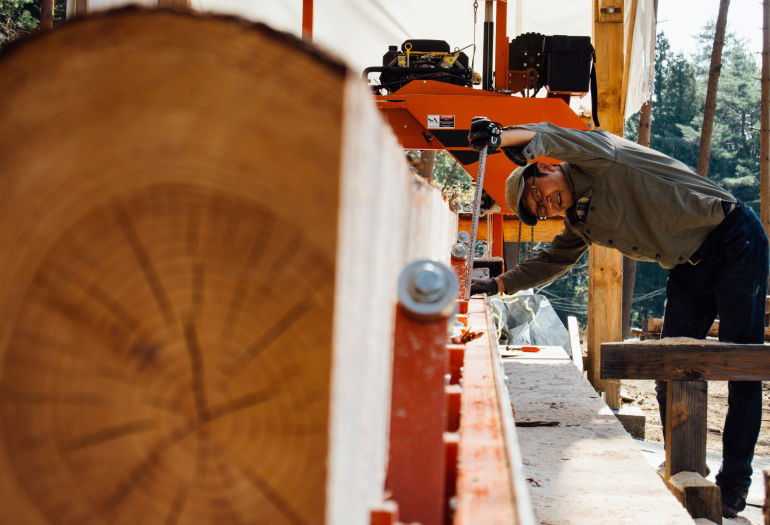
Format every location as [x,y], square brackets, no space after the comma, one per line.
[711,91]
[764,134]
[46,15]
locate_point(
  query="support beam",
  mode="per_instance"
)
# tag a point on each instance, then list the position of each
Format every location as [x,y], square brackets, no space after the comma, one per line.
[606,265]
[686,427]
[673,360]
[514,230]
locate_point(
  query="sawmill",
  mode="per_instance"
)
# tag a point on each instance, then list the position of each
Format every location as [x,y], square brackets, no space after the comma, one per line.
[228,297]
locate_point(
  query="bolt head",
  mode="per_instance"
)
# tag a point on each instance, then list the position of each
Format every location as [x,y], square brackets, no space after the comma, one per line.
[427,284]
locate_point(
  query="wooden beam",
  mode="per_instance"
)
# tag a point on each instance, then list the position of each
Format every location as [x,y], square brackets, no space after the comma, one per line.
[605,289]
[574,342]
[698,495]
[513,229]
[764,123]
[671,359]
[686,403]
[654,325]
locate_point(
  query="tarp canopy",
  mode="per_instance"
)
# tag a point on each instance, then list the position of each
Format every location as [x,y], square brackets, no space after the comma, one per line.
[360,31]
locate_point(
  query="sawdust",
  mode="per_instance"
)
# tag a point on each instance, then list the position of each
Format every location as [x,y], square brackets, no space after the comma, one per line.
[641,393]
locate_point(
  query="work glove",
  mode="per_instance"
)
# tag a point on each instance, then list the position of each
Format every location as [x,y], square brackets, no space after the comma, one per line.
[484,133]
[487,286]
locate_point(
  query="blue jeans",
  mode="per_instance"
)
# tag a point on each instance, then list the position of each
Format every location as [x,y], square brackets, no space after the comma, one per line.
[730,280]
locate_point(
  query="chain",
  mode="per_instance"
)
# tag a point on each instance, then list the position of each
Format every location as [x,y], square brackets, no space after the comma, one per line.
[532,242]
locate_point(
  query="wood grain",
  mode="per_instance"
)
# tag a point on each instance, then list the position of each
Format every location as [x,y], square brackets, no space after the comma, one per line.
[169,267]
[669,359]
[686,427]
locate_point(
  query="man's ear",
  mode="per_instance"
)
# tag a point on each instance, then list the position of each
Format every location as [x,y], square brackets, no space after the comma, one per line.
[544,167]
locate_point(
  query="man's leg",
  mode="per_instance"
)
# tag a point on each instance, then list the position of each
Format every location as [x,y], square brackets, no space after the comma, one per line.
[741,288]
[690,311]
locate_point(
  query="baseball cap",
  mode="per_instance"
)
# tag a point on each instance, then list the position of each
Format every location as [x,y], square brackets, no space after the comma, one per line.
[514,188]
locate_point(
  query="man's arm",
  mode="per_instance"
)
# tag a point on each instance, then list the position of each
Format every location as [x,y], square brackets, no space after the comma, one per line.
[516,137]
[565,250]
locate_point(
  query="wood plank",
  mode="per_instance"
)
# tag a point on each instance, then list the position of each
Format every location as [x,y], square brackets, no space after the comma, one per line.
[654,325]
[686,403]
[513,229]
[685,359]
[699,496]
[587,470]
[574,342]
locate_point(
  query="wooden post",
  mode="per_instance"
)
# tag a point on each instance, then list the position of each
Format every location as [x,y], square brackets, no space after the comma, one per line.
[686,427]
[711,91]
[764,134]
[766,474]
[605,264]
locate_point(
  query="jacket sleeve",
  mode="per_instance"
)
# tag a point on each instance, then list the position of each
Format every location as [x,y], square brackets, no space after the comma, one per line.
[579,147]
[565,250]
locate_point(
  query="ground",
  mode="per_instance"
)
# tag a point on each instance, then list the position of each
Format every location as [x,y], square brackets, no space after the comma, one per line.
[641,393]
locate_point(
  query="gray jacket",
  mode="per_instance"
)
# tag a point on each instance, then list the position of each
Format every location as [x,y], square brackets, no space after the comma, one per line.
[637,200]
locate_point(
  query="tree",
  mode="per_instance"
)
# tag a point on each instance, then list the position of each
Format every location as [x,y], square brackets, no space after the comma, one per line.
[709,110]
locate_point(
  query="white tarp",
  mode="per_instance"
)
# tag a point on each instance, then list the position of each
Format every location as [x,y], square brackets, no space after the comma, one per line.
[360,31]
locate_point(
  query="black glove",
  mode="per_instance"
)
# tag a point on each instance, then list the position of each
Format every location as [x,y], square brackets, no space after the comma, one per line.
[483,133]
[487,286]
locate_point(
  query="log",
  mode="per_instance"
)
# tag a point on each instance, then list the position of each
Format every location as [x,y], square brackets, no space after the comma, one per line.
[189,279]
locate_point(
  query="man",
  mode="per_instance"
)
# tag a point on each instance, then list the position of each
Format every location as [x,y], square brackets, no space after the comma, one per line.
[615,193]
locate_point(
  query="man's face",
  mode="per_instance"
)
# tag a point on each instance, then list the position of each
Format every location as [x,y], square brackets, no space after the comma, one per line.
[551,193]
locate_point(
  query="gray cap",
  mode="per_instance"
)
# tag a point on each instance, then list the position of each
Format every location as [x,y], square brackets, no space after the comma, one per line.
[514,188]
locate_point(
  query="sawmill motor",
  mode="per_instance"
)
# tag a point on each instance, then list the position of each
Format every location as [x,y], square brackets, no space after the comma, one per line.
[421,60]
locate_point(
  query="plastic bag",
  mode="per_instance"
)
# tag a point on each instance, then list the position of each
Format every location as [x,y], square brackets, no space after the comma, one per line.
[528,319]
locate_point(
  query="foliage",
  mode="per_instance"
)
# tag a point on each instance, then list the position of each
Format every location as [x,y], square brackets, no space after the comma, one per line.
[452,179]
[20,17]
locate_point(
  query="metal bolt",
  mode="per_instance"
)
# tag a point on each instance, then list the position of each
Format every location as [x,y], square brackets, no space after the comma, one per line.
[459,251]
[427,284]
[463,236]
[427,289]
[610,10]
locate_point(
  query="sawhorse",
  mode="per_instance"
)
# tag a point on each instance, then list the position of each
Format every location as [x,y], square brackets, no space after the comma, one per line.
[686,364]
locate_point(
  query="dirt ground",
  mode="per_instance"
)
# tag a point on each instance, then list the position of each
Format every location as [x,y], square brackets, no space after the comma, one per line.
[641,393]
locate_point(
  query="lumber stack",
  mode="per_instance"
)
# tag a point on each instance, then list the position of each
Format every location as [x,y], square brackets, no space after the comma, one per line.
[203,221]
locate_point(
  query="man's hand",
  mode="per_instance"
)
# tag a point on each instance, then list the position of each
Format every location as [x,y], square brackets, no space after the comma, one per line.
[487,286]
[484,133]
